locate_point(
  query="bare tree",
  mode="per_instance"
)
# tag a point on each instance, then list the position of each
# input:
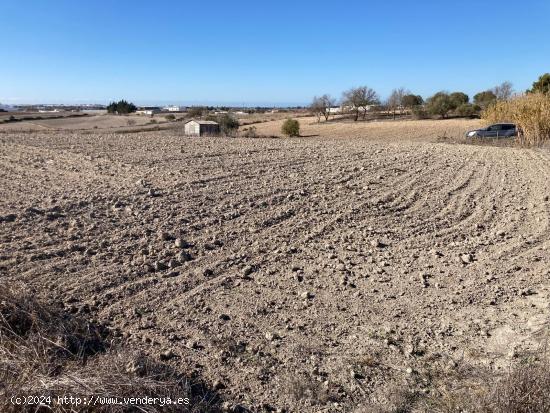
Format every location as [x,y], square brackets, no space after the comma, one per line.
[395,101]
[504,91]
[317,107]
[328,102]
[320,106]
[360,98]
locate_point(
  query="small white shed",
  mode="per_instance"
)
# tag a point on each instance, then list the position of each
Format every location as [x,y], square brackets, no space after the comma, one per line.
[202,128]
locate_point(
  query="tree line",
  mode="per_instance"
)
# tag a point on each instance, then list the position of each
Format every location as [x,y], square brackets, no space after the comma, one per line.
[121,107]
[360,100]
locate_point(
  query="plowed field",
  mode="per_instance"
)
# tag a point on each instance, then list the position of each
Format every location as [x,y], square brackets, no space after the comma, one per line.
[310,274]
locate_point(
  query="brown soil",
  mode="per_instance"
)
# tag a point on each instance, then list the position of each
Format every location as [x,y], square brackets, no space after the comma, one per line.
[311,274]
[105,123]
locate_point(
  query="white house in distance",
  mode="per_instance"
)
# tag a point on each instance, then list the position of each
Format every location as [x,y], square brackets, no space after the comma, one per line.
[202,128]
[148,110]
[173,108]
[344,109]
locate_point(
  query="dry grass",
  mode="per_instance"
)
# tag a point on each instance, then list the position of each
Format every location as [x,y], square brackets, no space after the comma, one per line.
[445,387]
[525,388]
[531,113]
[398,399]
[46,352]
[255,118]
[425,130]
[80,123]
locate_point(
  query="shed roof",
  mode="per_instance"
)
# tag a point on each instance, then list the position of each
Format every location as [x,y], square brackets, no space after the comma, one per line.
[203,122]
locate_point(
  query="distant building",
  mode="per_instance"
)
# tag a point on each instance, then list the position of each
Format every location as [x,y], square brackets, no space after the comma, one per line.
[148,110]
[173,108]
[94,111]
[202,128]
[350,108]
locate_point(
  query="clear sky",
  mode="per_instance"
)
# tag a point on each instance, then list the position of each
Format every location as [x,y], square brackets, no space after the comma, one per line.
[256,52]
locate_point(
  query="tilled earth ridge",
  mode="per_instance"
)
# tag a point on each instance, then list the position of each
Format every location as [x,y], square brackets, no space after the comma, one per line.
[309,274]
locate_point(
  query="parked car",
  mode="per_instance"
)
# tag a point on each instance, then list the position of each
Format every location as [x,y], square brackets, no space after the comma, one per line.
[498,130]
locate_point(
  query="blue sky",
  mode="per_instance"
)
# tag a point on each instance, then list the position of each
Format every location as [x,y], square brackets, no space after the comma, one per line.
[254,52]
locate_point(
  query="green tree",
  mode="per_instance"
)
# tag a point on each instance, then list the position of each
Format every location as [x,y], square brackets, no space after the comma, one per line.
[121,107]
[458,99]
[542,85]
[468,110]
[484,99]
[410,101]
[440,104]
[291,127]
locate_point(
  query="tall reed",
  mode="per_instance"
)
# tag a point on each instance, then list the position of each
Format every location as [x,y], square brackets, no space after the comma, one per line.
[531,114]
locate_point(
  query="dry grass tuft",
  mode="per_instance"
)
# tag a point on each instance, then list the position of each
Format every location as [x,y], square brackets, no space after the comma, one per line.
[525,388]
[443,387]
[531,113]
[398,399]
[46,352]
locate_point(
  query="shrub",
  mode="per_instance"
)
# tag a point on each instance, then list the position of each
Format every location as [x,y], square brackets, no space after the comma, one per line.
[419,112]
[250,132]
[131,122]
[170,117]
[531,114]
[228,124]
[468,110]
[291,127]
